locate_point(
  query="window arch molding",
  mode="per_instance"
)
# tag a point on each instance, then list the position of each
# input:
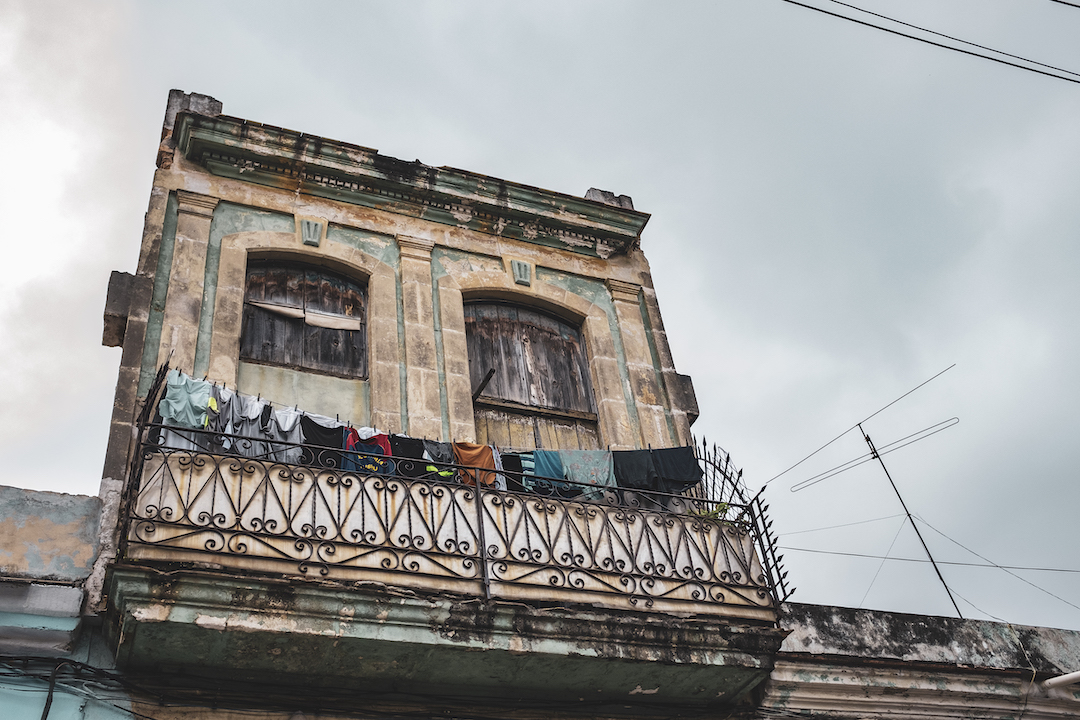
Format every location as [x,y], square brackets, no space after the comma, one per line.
[575,314]
[351,271]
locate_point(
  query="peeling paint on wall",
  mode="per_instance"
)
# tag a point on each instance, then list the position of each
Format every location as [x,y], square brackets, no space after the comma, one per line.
[48,536]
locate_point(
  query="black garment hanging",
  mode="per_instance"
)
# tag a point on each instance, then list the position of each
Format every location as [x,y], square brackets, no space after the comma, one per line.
[409,454]
[666,470]
[316,434]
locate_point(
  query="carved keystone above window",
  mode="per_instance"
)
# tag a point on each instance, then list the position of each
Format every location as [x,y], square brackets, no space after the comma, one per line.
[522,272]
[310,230]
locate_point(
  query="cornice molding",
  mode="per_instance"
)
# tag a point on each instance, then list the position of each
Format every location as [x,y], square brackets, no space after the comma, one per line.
[265,155]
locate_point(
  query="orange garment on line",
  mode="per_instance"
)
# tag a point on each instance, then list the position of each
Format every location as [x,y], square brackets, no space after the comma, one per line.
[477,455]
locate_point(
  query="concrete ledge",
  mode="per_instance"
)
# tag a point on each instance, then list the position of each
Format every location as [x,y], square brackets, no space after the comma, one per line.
[394,641]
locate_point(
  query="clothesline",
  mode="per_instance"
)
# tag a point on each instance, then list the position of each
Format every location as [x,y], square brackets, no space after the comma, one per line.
[198,415]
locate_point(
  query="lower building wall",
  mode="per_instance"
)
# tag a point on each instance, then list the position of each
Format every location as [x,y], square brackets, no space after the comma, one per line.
[24,698]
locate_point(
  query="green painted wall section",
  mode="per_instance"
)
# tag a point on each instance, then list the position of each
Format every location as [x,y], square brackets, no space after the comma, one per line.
[596,292]
[381,247]
[228,219]
[655,356]
[152,341]
[23,698]
[438,272]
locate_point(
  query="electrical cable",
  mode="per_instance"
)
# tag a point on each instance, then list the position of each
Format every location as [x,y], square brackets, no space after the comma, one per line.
[957,543]
[950,37]
[1065,2]
[833,527]
[921,560]
[882,563]
[936,44]
[785,472]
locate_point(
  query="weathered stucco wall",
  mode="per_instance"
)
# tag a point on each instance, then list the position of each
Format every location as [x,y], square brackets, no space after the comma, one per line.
[47,535]
[848,663]
[420,258]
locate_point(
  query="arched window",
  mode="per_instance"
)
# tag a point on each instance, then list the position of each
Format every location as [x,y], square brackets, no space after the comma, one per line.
[305,318]
[539,394]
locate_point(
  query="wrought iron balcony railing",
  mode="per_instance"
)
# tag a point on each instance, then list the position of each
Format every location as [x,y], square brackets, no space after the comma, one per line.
[607,546]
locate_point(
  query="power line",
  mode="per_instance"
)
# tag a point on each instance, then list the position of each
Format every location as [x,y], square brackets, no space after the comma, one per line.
[921,560]
[833,527]
[1063,2]
[882,564]
[950,37]
[937,44]
[1024,580]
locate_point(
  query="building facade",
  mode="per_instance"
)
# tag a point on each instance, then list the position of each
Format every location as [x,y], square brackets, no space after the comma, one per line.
[239,564]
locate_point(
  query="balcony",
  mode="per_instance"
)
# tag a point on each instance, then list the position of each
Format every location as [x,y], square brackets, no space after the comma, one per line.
[239,566]
[618,549]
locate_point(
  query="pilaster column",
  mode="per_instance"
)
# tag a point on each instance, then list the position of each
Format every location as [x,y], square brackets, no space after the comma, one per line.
[421,363]
[180,328]
[639,366]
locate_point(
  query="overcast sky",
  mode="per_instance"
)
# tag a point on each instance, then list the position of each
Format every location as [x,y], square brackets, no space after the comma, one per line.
[838,214]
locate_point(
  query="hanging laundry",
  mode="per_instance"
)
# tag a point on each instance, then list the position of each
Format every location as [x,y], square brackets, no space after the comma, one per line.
[284,435]
[547,464]
[667,470]
[677,468]
[589,467]
[364,457]
[548,468]
[329,440]
[246,418]
[185,401]
[409,455]
[440,454]
[500,479]
[184,405]
[512,465]
[380,439]
[479,456]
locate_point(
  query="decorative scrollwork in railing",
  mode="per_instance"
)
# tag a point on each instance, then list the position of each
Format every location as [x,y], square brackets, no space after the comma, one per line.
[633,548]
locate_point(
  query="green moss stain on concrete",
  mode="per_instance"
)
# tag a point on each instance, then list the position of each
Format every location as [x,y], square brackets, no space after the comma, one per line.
[228,219]
[655,356]
[156,317]
[46,535]
[596,292]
